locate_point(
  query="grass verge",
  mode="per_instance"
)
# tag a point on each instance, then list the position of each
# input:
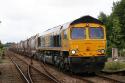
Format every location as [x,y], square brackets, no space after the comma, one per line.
[114,66]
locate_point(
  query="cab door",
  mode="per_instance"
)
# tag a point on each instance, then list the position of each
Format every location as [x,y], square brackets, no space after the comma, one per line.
[65,42]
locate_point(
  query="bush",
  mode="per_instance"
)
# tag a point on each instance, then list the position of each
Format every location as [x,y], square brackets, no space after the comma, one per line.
[114,65]
[122,52]
[1,46]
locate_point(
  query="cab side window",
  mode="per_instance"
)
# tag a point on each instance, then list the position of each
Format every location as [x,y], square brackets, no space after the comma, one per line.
[57,40]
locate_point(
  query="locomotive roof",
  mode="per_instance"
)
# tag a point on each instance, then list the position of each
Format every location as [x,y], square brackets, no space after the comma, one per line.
[56,30]
[86,19]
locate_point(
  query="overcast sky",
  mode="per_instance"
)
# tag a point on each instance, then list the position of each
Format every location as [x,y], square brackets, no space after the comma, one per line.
[24,18]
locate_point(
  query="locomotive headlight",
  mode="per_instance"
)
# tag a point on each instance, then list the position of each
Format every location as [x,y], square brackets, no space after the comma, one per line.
[102,51]
[73,51]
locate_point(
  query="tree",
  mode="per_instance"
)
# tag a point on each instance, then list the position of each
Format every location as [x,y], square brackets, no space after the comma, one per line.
[107,20]
[103,17]
[119,13]
[115,25]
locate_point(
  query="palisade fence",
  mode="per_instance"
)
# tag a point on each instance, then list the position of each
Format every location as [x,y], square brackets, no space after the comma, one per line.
[118,54]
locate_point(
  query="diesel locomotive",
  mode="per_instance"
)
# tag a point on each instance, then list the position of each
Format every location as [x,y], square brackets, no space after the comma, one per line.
[77,46]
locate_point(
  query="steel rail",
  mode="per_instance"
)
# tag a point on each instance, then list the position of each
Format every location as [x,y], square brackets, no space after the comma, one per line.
[54,79]
[105,77]
[81,78]
[47,75]
[29,74]
[18,68]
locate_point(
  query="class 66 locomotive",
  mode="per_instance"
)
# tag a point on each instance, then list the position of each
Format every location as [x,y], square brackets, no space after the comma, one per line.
[77,46]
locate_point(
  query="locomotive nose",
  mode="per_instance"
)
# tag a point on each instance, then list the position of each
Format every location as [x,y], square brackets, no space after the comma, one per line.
[87,48]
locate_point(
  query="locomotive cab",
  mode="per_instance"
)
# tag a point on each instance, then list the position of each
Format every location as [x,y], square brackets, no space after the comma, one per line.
[86,41]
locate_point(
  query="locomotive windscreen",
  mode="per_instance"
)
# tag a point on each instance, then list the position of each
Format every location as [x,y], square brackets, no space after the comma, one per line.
[96,33]
[78,33]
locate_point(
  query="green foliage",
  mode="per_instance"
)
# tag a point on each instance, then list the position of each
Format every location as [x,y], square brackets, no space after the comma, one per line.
[115,26]
[1,46]
[122,52]
[114,66]
[103,17]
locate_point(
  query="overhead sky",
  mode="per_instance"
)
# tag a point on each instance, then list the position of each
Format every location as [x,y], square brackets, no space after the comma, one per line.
[24,18]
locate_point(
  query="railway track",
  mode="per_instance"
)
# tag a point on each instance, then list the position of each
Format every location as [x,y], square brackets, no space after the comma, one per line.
[108,77]
[48,73]
[34,73]
[20,71]
[98,78]
[31,74]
